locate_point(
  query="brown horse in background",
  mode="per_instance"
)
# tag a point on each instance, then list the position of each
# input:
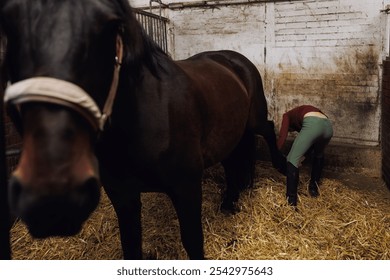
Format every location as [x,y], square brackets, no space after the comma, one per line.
[98,103]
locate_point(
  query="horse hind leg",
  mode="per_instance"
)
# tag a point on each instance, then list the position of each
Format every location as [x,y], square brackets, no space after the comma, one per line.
[239,172]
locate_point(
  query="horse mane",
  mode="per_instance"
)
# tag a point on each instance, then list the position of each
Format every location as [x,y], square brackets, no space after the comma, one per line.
[139,48]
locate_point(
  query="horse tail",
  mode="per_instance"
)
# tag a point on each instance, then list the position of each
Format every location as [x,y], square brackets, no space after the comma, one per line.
[277,158]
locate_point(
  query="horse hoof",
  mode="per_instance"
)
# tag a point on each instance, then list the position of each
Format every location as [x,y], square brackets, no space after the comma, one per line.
[313,189]
[230,208]
[314,192]
[292,200]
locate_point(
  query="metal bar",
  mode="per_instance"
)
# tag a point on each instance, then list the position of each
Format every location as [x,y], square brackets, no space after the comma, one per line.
[142,12]
[156,33]
[211,4]
[165,35]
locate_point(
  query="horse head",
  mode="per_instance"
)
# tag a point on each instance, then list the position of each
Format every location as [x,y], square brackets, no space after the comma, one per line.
[62,64]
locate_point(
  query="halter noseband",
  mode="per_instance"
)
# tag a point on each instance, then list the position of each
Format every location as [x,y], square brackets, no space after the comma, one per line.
[56,91]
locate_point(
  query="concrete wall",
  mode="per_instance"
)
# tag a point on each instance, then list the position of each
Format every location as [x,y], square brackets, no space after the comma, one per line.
[326,52]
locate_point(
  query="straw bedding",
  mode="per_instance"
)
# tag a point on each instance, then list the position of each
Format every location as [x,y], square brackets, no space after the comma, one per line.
[346,222]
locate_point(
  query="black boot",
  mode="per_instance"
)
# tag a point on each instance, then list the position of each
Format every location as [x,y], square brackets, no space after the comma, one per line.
[316,170]
[292,184]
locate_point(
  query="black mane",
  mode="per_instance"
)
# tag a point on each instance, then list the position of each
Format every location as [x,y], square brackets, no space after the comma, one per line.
[140,49]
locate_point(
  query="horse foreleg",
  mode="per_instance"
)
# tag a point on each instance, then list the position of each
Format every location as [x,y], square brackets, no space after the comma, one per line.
[188,204]
[128,210]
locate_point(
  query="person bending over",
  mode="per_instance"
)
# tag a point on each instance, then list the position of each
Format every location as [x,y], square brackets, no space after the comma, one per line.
[315,131]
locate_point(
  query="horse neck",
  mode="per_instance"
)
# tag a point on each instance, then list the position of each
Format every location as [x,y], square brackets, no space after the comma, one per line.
[131,83]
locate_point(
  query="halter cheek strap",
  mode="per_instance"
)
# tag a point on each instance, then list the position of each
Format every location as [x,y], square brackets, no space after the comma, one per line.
[107,109]
[56,91]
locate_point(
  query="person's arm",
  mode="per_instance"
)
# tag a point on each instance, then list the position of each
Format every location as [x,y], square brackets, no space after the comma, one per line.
[283,131]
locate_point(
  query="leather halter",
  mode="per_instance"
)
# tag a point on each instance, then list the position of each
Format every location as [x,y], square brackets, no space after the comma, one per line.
[56,91]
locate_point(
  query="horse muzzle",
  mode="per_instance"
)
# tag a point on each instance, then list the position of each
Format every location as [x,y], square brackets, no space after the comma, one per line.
[54,214]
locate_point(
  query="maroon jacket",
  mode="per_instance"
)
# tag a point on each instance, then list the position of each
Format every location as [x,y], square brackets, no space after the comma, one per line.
[292,121]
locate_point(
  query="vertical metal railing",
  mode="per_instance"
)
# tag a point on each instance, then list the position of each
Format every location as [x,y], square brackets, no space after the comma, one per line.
[155,26]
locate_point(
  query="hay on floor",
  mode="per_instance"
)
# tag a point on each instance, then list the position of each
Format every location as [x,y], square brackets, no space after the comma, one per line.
[345,222]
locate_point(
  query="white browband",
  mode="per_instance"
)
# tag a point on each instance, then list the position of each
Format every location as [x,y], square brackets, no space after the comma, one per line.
[51,90]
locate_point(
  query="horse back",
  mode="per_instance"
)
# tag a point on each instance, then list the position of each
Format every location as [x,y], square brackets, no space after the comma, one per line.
[247,72]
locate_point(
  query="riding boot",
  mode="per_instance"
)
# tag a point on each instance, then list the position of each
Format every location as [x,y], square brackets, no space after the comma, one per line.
[292,184]
[316,170]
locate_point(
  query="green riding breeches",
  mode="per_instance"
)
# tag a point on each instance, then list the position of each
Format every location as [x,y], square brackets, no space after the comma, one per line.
[315,132]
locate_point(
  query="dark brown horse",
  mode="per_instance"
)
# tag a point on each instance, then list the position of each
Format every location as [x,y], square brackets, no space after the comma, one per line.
[169,120]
